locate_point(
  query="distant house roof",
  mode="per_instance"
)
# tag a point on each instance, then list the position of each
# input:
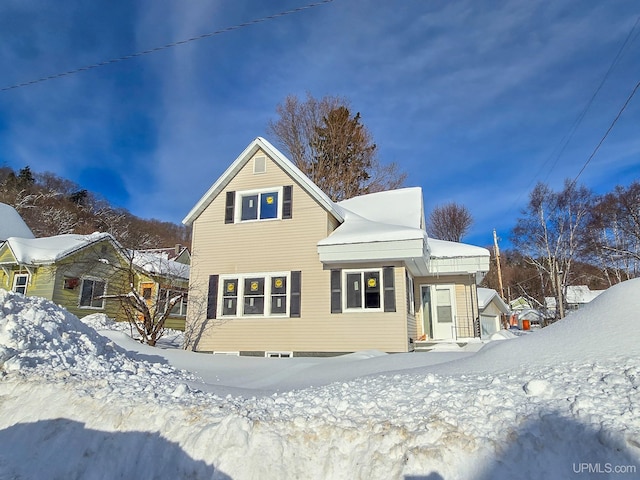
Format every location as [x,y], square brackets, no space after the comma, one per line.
[12,224]
[157,262]
[178,253]
[520,303]
[575,295]
[48,250]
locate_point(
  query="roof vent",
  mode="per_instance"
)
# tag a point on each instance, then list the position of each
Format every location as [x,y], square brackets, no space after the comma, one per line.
[259,164]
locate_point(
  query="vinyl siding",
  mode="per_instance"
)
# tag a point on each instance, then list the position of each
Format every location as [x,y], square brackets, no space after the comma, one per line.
[85,264]
[280,246]
[465,298]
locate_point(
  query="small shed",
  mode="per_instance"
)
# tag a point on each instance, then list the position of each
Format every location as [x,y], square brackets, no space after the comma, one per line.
[491,307]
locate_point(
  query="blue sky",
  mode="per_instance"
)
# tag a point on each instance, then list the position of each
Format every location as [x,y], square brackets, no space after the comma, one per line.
[474,99]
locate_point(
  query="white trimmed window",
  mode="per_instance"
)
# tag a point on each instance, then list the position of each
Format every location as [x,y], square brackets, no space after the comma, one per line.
[20,282]
[255,295]
[166,295]
[259,205]
[92,292]
[363,290]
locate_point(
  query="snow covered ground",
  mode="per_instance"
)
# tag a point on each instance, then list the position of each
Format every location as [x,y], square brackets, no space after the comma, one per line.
[562,402]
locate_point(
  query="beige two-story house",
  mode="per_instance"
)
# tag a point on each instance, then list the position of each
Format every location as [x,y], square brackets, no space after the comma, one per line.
[278,269]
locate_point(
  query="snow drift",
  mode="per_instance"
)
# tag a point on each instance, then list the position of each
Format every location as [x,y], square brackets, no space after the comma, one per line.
[75,405]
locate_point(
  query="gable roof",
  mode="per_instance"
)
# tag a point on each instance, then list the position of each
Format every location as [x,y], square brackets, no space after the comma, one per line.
[487,295]
[294,172]
[157,262]
[48,250]
[177,253]
[12,224]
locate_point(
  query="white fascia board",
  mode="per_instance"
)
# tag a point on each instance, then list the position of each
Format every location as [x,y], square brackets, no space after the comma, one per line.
[442,266]
[220,183]
[413,249]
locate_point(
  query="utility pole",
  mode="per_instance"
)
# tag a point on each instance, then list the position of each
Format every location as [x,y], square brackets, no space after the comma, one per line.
[497,252]
[560,296]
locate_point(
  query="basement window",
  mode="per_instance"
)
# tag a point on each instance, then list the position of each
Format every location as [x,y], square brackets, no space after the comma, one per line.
[278,354]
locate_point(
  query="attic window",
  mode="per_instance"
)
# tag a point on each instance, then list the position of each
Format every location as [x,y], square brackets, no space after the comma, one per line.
[260,165]
[265,205]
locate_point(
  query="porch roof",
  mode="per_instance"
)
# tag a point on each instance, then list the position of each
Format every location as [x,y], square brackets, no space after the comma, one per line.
[388,226]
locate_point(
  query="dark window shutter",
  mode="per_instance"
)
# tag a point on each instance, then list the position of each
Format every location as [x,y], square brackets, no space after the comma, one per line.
[228,209]
[336,291]
[389,290]
[296,288]
[212,298]
[287,201]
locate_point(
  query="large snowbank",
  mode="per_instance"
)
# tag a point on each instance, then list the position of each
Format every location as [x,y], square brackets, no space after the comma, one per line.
[545,405]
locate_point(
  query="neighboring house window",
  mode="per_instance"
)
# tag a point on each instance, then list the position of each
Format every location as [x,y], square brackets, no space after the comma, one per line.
[20,281]
[261,295]
[165,295]
[147,291]
[253,205]
[92,292]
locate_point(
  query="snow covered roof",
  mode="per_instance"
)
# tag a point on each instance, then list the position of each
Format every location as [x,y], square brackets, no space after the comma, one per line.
[12,224]
[575,295]
[581,294]
[48,250]
[487,295]
[159,263]
[278,157]
[390,226]
[402,207]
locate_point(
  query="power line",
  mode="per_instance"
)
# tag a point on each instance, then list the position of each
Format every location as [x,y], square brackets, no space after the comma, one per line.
[168,45]
[582,114]
[564,142]
[615,120]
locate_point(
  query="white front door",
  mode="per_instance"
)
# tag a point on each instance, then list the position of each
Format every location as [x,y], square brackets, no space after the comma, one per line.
[438,305]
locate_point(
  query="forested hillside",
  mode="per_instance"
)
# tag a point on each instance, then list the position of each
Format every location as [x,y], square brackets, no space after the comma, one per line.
[51,205]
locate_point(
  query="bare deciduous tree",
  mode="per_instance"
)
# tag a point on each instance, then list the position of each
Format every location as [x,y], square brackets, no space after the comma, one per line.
[612,238]
[449,222]
[549,233]
[332,147]
[148,286]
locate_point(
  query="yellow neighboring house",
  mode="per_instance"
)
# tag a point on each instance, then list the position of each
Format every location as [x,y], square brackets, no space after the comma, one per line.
[161,276]
[83,273]
[278,269]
